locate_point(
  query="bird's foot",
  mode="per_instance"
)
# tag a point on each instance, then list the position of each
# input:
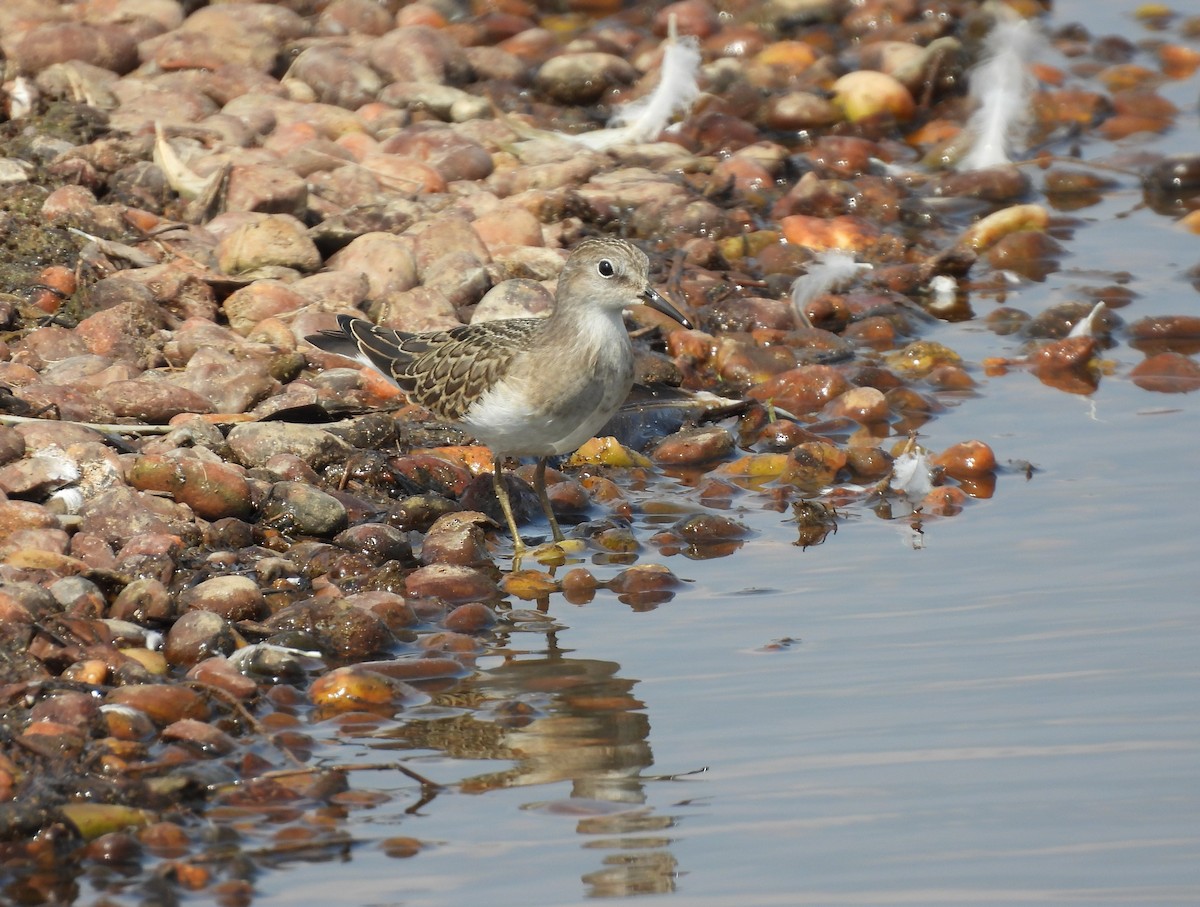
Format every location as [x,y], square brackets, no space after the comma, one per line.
[555,554]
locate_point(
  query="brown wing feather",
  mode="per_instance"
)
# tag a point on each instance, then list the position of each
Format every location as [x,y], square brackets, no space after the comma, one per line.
[444,371]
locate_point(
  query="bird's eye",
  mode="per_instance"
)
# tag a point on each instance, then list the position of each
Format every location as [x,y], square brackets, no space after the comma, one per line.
[605,268]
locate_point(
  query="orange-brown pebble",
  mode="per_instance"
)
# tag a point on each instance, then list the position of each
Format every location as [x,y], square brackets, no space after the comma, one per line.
[164,839]
[456,538]
[1124,76]
[781,435]
[691,17]
[579,586]
[967,460]
[471,617]
[420,14]
[200,735]
[189,875]
[643,578]
[220,673]
[1063,355]
[450,642]
[1178,61]
[950,378]
[946,500]
[1030,253]
[980,487]
[802,390]
[693,446]
[401,847]
[862,404]
[709,527]
[164,703]
[868,463]
[449,582]
[690,346]
[845,232]
[875,331]
[90,671]
[815,464]
[116,847]
[56,284]
[791,56]
[602,489]
[1166,329]
[1167,373]
[739,360]
[353,687]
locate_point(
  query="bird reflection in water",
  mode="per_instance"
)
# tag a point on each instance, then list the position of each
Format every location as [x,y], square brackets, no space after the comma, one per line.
[562,719]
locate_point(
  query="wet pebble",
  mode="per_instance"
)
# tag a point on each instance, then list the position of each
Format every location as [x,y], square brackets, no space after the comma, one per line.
[356,687]
[472,617]
[232,597]
[815,465]
[163,703]
[338,626]
[691,447]
[144,600]
[213,489]
[644,585]
[198,635]
[457,538]
[451,583]
[1167,373]
[801,390]
[199,737]
[218,672]
[297,508]
[967,460]
[862,404]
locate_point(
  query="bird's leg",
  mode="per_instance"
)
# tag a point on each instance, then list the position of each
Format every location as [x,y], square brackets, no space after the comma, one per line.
[505,505]
[539,484]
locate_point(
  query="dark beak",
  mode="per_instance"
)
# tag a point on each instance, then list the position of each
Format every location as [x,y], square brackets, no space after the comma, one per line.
[652,299]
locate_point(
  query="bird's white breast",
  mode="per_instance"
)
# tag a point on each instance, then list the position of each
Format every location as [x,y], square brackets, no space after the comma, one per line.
[553,400]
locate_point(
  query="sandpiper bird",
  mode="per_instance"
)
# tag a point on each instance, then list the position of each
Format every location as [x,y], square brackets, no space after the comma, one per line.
[525,386]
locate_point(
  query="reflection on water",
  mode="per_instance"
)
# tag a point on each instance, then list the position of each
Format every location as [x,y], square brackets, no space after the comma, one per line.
[562,719]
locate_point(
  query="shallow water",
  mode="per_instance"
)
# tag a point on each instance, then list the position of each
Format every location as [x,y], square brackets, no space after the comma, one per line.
[1001,709]
[1006,714]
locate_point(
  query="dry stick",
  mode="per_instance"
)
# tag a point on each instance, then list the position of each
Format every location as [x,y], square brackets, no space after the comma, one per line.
[427,785]
[238,706]
[115,429]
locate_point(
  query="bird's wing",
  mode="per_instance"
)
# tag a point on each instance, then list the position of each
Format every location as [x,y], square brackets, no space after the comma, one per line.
[444,371]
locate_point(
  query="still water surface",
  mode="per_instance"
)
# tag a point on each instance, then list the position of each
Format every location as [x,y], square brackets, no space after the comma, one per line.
[1003,710]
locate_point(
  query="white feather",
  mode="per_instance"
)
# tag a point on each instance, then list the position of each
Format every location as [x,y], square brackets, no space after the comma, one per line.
[1002,87]
[943,293]
[832,269]
[1086,327]
[644,119]
[912,474]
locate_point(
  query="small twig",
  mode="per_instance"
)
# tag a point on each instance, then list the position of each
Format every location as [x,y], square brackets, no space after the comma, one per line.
[426,784]
[674,776]
[117,429]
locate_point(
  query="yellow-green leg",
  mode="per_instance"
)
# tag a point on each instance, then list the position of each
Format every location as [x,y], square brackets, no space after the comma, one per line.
[506,506]
[539,484]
